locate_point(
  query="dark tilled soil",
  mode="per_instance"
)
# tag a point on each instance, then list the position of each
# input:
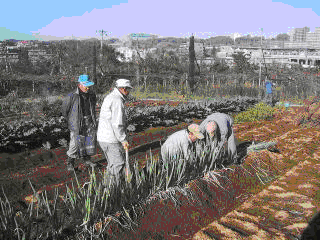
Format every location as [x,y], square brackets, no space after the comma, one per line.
[46,169]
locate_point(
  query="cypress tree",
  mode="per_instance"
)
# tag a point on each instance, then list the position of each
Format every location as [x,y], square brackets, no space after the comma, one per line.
[191,63]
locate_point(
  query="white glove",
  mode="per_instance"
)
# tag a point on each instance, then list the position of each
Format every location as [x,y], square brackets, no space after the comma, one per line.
[125,145]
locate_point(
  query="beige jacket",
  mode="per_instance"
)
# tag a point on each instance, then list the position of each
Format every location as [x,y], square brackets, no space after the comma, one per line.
[177,146]
[112,119]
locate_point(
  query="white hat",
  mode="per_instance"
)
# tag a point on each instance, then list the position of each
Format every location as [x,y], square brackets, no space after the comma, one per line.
[123,83]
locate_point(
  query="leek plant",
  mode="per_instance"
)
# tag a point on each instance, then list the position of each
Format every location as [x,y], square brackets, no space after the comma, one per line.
[86,210]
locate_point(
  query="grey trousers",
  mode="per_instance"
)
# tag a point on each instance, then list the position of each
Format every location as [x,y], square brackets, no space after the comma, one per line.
[231,146]
[80,146]
[115,155]
[269,98]
[73,146]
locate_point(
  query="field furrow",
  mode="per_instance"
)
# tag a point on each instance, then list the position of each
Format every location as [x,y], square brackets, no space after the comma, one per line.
[280,211]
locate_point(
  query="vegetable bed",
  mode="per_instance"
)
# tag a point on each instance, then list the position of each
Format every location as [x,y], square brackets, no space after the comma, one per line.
[280,211]
[181,212]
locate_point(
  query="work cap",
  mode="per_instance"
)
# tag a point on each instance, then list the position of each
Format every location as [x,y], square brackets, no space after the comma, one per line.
[123,83]
[194,128]
[211,127]
[84,80]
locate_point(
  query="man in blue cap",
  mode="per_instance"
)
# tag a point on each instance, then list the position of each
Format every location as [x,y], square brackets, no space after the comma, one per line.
[79,110]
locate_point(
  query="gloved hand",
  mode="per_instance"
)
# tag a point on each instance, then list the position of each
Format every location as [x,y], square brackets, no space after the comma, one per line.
[125,145]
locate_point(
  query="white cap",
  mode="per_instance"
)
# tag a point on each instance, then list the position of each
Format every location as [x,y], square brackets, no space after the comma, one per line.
[123,83]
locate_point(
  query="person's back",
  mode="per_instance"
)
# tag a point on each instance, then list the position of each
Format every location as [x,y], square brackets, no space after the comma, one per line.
[179,144]
[221,127]
[269,94]
[223,121]
[176,146]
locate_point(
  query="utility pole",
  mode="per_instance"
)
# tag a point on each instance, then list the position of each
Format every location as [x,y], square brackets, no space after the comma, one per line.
[260,75]
[94,64]
[76,40]
[102,34]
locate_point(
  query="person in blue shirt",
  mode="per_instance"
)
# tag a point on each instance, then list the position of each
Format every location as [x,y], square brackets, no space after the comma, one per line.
[269,91]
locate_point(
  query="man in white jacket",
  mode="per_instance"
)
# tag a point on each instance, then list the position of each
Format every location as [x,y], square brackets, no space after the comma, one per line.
[111,135]
[219,126]
[179,144]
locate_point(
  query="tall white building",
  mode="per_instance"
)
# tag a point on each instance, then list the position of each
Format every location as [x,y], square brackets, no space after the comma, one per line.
[313,38]
[299,34]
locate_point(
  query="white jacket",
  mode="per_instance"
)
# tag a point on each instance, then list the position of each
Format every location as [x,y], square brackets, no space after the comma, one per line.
[221,120]
[176,146]
[112,119]
[225,130]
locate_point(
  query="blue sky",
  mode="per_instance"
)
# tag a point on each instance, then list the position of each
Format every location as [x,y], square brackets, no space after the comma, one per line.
[60,19]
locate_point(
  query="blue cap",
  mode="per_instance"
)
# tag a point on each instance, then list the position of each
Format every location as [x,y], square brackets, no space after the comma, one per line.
[84,80]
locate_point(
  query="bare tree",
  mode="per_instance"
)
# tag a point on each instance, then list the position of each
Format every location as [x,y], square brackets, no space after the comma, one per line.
[58,51]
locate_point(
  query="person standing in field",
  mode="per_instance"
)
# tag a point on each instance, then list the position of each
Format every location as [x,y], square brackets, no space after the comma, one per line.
[218,128]
[112,128]
[269,92]
[179,145]
[79,110]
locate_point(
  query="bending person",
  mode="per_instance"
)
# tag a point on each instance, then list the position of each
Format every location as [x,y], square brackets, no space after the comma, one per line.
[179,144]
[219,127]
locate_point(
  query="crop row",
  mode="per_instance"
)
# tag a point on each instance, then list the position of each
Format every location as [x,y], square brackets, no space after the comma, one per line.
[169,115]
[19,134]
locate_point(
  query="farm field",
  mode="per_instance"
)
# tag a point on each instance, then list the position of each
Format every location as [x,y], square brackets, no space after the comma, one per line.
[46,168]
[275,205]
[297,132]
[280,211]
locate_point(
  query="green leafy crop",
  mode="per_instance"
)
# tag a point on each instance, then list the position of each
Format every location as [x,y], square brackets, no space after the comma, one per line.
[260,111]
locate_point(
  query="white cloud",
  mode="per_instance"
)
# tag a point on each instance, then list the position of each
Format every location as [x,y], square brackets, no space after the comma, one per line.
[180,17]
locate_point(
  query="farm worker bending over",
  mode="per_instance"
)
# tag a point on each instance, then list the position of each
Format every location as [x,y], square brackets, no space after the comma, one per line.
[218,126]
[179,144]
[79,110]
[112,128]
